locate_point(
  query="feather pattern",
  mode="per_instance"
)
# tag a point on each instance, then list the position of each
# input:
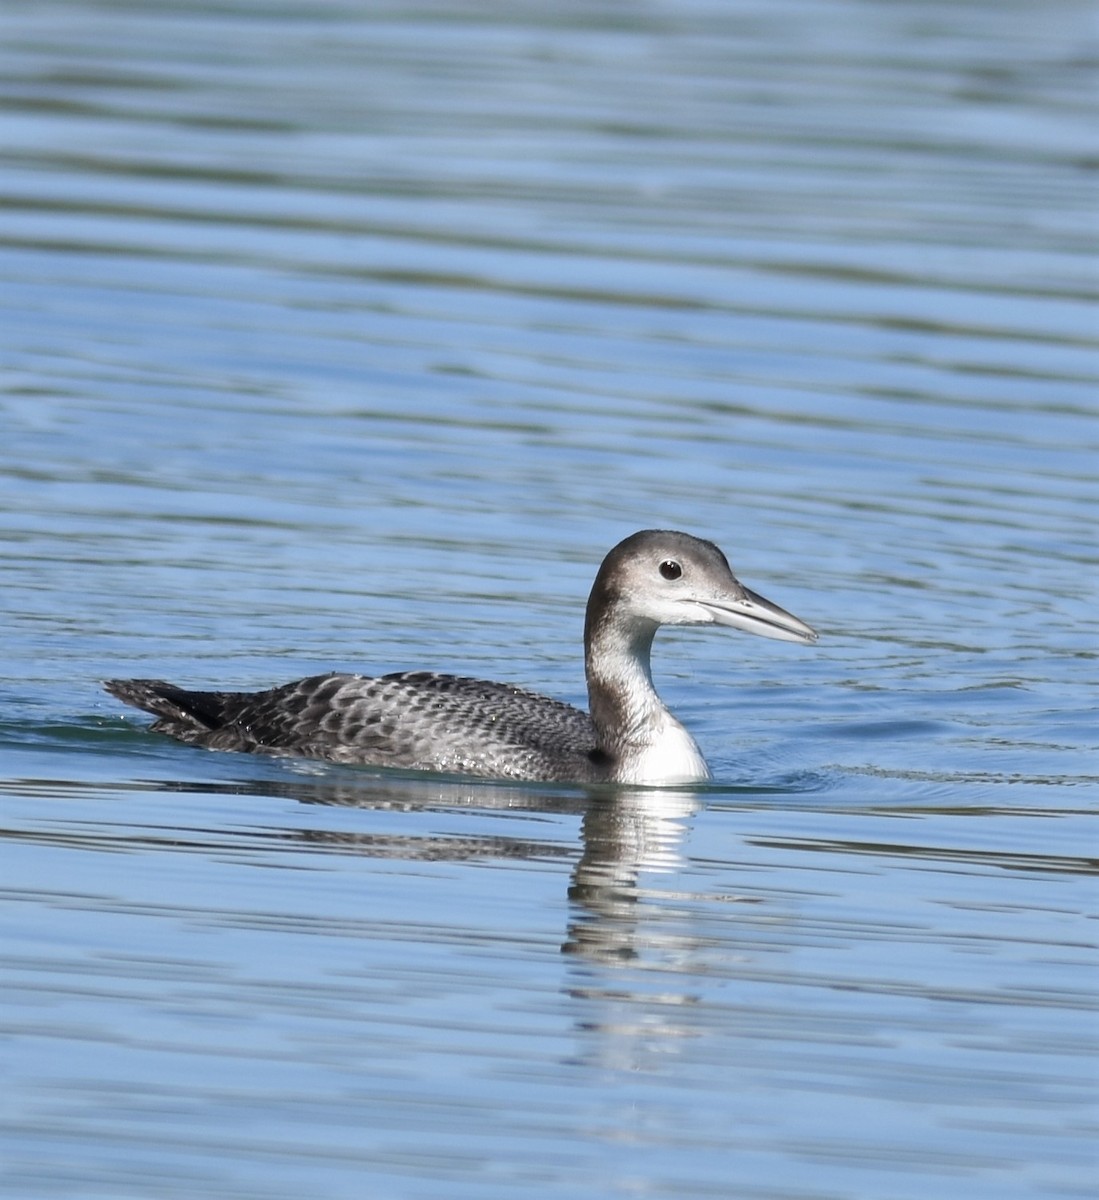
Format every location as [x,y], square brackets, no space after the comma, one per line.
[413,719]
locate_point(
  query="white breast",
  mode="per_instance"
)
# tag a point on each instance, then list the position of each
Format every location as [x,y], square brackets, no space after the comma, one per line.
[672,756]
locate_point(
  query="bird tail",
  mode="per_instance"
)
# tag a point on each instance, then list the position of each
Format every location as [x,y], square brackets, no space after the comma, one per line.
[176,706]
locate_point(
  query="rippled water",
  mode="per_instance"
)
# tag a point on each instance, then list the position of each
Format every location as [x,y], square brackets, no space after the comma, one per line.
[340,336]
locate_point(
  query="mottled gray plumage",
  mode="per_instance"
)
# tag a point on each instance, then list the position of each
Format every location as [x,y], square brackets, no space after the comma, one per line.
[447,723]
[414,719]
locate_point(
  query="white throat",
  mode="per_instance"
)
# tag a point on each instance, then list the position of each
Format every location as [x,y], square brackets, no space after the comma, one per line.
[648,745]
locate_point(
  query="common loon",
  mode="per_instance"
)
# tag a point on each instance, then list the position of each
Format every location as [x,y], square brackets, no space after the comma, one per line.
[446,723]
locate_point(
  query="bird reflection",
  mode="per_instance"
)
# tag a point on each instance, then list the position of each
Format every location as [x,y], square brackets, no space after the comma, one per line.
[625,945]
[627,836]
[624,834]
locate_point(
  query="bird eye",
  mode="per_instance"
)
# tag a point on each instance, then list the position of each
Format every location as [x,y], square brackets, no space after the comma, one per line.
[670,569]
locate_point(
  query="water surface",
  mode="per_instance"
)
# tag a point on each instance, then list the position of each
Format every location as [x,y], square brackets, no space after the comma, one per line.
[339,337]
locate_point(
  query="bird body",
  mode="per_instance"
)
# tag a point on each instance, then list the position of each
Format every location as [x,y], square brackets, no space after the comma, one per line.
[423,720]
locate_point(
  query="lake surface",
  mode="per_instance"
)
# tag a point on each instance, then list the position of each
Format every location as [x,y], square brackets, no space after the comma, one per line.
[340,336]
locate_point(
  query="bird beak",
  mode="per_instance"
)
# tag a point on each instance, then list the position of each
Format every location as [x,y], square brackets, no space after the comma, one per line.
[754,614]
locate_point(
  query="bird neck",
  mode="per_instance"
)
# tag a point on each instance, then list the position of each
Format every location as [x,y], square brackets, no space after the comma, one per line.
[622,700]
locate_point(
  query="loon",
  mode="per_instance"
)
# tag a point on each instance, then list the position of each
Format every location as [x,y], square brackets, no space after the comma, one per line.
[422,720]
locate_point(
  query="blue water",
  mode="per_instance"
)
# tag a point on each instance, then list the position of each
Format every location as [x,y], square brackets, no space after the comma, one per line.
[337,337]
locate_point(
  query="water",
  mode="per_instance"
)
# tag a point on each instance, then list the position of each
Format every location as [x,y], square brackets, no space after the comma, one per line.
[338,336]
